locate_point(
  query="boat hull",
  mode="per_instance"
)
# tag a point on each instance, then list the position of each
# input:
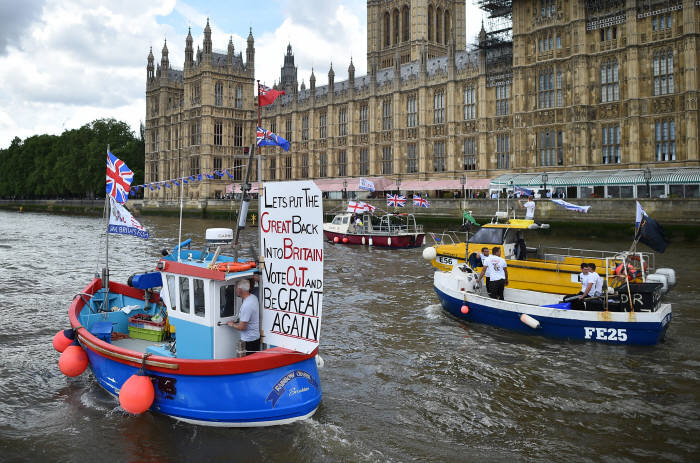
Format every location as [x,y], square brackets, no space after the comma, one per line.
[262,398]
[642,328]
[412,240]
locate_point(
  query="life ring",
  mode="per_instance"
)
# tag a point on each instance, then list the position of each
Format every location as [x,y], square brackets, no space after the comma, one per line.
[235,266]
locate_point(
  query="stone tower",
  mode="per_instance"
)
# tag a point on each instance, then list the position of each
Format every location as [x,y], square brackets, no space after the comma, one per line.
[288,77]
[400,28]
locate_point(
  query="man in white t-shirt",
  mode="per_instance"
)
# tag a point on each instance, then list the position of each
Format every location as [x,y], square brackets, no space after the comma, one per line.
[496,268]
[530,207]
[248,319]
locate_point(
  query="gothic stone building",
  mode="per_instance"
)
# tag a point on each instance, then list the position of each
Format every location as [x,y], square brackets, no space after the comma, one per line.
[574,85]
[199,119]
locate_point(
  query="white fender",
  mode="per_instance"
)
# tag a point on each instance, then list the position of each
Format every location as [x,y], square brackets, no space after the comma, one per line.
[363,240]
[429,253]
[529,321]
[319,361]
[388,241]
[658,278]
[371,243]
[670,275]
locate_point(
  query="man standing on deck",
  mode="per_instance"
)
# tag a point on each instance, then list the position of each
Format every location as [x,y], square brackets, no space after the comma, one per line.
[498,273]
[248,319]
[530,206]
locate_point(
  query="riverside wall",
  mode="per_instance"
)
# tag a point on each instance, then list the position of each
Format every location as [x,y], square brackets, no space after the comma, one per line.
[613,211]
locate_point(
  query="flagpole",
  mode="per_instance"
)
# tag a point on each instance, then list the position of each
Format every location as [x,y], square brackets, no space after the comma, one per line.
[105,269]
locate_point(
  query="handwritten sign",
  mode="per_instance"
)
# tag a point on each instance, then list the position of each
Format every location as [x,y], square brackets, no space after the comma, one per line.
[291,233]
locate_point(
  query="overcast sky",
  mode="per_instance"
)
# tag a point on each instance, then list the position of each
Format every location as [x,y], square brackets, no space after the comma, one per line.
[64,63]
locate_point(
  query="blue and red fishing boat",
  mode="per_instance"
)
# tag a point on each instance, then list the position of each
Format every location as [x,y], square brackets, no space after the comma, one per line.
[162,341]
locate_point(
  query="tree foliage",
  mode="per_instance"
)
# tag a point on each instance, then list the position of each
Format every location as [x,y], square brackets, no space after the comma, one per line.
[70,165]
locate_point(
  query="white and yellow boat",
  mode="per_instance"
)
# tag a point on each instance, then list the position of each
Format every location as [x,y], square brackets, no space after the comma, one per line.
[549,270]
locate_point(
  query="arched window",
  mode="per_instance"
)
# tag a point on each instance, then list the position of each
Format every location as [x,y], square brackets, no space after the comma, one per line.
[406,22]
[430,23]
[387,23]
[219,94]
[438,26]
[448,27]
[396,26]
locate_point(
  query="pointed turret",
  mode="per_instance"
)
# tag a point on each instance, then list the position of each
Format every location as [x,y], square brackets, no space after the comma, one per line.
[312,81]
[303,85]
[351,71]
[331,79]
[250,53]
[482,33]
[149,67]
[207,39]
[164,62]
[229,56]
[189,52]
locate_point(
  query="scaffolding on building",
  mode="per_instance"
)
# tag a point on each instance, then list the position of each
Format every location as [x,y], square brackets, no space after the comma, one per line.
[498,39]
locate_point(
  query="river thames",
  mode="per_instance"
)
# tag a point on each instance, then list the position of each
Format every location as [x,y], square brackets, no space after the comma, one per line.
[401,382]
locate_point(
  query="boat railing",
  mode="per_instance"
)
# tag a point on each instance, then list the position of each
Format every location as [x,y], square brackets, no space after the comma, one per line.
[555,254]
[446,237]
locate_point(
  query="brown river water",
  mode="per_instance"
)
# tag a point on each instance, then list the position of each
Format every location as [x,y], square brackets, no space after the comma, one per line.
[401,382]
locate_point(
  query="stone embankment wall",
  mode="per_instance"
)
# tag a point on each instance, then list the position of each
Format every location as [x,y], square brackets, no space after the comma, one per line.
[622,211]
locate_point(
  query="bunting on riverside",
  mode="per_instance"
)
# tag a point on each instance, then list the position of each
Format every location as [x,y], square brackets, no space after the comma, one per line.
[119,178]
[395,200]
[267,95]
[267,138]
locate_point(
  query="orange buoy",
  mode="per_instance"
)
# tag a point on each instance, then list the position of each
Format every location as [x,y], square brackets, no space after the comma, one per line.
[63,339]
[465,309]
[336,239]
[137,394]
[73,360]
[345,240]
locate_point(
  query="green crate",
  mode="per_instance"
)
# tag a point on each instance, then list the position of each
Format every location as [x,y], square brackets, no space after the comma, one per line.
[148,335]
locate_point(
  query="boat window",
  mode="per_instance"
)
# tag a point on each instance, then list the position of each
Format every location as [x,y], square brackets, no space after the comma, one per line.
[345,219]
[488,236]
[512,236]
[337,220]
[172,292]
[184,295]
[198,297]
[227,301]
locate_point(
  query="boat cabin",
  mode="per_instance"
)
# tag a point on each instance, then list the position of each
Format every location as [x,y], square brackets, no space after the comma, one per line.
[200,300]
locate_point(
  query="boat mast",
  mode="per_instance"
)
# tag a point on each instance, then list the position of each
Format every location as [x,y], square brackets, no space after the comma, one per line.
[105,269]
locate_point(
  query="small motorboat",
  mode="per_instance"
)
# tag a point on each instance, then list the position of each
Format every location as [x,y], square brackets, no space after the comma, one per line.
[392,230]
[631,314]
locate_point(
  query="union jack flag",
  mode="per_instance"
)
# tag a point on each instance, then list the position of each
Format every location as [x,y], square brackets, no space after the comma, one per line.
[119,178]
[395,200]
[418,201]
[265,137]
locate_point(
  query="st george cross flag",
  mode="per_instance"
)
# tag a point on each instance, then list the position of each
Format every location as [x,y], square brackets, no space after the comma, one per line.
[359,206]
[572,207]
[267,138]
[122,222]
[418,201]
[119,178]
[267,95]
[395,200]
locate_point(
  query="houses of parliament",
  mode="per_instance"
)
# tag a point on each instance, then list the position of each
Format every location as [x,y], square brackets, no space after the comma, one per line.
[552,86]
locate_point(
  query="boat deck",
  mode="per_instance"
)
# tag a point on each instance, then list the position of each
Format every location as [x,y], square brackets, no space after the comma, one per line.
[137,345]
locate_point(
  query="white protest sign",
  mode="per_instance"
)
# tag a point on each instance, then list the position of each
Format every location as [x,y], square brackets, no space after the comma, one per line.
[291,234]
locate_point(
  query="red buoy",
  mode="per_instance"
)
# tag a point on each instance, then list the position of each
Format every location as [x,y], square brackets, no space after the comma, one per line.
[345,240]
[465,309]
[335,239]
[73,360]
[63,339]
[137,394]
